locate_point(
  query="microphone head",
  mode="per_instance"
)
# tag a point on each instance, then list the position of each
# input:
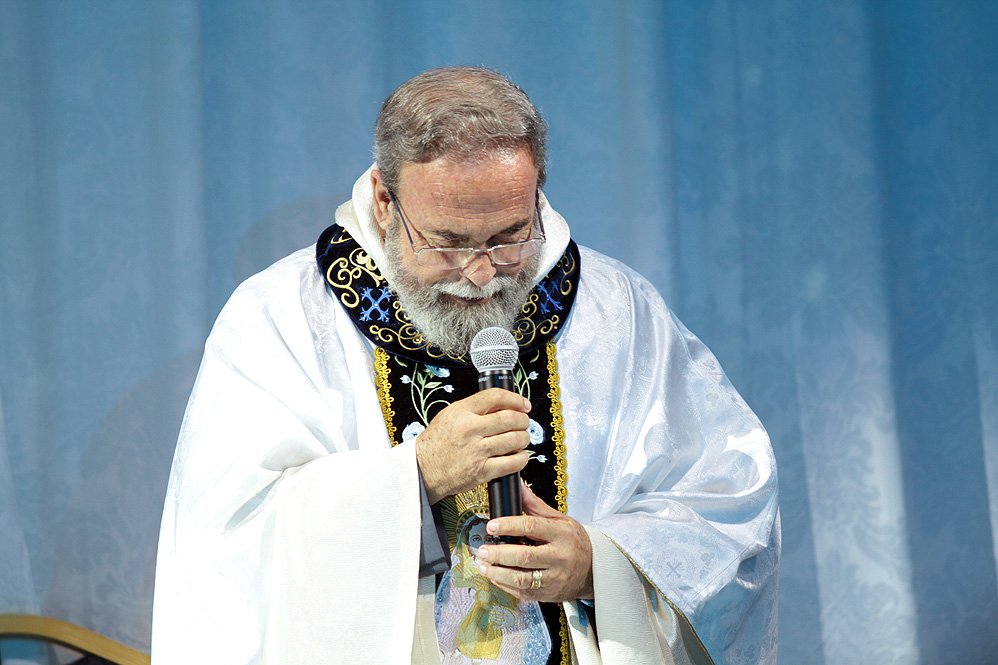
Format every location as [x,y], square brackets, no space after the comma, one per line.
[494,349]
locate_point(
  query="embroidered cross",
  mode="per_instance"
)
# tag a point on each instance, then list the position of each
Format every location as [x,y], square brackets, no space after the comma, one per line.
[368,294]
[547,300]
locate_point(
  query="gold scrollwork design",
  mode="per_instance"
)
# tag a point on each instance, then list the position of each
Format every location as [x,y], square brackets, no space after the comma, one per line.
[408,336]
[340,237]
[365,261]
[568,267]
[344,282]
[530,307]
[342,273]
[565,286]
[548,325]
[410,339]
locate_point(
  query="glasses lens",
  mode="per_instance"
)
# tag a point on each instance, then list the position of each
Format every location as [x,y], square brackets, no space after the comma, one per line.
[444,258]
[505,255]
[452,258]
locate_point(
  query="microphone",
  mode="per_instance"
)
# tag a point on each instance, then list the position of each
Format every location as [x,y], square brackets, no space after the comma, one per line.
[494,353]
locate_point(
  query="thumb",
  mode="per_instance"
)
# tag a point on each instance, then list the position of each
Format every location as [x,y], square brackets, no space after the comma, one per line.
[534,505]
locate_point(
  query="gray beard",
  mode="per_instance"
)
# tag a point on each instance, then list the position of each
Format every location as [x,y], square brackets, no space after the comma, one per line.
[448,325]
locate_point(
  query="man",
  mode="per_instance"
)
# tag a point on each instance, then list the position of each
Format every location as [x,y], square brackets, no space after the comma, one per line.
[326,502]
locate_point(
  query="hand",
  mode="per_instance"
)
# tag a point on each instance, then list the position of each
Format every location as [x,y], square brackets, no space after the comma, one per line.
[472,441]
[563,554]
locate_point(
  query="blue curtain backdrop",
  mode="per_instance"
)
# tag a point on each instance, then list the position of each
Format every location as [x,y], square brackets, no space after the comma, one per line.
[812,184]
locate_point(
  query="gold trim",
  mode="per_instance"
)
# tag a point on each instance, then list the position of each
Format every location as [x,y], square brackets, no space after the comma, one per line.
[558,429]
[349,269]
[566,645]
[561,480]
[33,627]
[384,390]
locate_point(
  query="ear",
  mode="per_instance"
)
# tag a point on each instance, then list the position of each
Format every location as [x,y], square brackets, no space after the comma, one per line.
[381,203]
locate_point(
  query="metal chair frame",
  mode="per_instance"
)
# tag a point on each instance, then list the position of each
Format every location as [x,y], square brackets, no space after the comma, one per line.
[78,638]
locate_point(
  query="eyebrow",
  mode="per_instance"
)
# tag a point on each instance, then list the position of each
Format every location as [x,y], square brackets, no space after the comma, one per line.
[449,236]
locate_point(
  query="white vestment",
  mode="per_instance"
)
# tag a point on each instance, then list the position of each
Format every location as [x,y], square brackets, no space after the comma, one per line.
[291,526]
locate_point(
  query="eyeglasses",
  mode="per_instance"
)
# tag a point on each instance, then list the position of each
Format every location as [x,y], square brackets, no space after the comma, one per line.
[455,258]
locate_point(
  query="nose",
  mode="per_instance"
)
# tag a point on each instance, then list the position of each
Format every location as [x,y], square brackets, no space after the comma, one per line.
[479,270]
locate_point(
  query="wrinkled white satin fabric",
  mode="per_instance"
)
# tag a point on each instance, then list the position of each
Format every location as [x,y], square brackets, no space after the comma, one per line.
[640,628]
[274,549]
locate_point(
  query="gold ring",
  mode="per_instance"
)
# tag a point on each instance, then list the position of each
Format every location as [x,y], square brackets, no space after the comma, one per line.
[535,583]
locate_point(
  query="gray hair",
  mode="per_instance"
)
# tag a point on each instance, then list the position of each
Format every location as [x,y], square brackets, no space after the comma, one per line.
[461,112]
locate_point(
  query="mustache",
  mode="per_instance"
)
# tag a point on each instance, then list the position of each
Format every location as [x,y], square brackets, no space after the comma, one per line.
[469,290]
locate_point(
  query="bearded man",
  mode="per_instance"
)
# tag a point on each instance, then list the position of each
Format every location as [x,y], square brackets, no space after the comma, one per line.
[327,498]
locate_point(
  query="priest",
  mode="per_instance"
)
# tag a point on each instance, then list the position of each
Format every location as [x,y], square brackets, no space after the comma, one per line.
[327,501]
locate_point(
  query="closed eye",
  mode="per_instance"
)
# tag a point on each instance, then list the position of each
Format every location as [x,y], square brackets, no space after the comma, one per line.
[456,240]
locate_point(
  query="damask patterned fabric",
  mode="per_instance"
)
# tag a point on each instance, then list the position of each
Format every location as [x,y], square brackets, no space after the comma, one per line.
[810,185]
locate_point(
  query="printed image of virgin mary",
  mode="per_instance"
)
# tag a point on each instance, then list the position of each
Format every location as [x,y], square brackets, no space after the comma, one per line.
[480,623]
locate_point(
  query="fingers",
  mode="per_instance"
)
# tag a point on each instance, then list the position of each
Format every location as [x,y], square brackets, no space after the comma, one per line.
[515,580]
[563,555]
[503,421]
[496,399]
[504,465]
[505,443]
[540,522]
[536,528]
[514,556]
[534,505]
[472,441]
[532,573]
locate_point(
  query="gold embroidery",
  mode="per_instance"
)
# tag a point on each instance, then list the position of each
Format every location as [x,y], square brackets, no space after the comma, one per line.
[366,261]
[350,268]
[407,336]
[525,329]
[456,510]
[568,267]
[530,324]
[341,238]
[558,428]
[384,394]
[566,649]
[561,493]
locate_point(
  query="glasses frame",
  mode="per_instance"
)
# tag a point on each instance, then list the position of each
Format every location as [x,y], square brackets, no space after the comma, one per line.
[471,253]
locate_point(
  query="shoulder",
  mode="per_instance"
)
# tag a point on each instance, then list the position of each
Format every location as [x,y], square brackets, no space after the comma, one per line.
[275,290]
[281,277]
[287,301]
[615,285]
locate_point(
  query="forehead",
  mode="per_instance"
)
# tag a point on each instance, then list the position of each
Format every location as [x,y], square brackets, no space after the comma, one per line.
[489,191]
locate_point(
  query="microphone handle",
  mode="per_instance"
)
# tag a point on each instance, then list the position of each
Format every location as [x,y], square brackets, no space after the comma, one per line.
[504,492]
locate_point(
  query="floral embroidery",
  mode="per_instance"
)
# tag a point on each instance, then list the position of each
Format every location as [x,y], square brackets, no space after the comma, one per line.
[522,379]
[423,385]
[536,432]
[412,430]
